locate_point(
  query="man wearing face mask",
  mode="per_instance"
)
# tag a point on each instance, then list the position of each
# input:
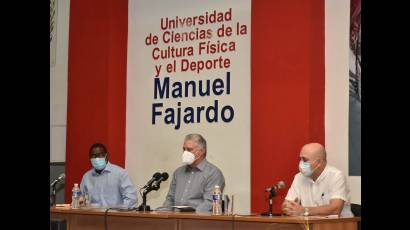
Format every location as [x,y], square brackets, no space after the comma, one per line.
[107,185]
[319,189]
[193,183]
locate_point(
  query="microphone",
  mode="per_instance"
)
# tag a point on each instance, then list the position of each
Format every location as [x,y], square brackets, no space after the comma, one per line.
[275,187]
[153,184]
[60,178]
[155,177]
[163,177]
[272,192]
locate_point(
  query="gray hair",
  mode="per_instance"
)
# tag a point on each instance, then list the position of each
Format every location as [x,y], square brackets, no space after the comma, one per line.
[197,138]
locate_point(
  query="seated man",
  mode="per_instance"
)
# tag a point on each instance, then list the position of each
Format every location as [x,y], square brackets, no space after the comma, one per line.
[319,189]
[107,184]
[193,183]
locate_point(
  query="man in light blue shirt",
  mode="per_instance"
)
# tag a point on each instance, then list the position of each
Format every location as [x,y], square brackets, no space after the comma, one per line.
[107,184]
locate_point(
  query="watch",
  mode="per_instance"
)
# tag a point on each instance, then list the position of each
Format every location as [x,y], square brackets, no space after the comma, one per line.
[306,213]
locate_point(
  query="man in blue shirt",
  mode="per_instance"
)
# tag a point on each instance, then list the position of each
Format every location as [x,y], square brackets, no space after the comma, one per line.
[107,184]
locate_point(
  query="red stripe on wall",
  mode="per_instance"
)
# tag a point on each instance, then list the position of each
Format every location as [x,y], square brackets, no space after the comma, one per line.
[96,83]
[287,91]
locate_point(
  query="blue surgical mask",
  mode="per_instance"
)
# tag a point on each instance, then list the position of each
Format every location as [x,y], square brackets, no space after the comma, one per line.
[305,168]
[99,163]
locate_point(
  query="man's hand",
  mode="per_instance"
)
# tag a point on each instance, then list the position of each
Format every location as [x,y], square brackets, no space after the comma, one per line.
[292,208]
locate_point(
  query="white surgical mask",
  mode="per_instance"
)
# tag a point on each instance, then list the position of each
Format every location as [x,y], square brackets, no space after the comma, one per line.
[305,168]
[188,158]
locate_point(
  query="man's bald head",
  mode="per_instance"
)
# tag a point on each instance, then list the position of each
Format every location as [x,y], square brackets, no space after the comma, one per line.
[313,151]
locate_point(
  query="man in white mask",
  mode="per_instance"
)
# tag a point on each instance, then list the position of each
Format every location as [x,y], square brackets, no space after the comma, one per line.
[318,189]
[193,183]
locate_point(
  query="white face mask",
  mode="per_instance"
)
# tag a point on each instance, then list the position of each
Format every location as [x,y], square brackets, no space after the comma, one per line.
[188,158]
[305,168]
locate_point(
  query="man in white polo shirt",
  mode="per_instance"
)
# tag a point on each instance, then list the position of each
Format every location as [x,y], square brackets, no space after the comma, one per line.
[319,189]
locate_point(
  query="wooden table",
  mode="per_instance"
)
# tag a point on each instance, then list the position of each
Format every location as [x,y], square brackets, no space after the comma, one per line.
[91,219]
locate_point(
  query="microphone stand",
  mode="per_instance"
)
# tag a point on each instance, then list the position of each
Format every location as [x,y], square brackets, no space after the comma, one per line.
[144,207]
[269,213]
[53,195]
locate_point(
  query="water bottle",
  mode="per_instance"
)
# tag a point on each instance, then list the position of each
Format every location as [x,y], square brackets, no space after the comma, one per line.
[75,199]
[216,201]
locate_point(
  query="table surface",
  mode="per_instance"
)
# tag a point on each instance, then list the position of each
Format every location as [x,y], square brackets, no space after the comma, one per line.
[203,216]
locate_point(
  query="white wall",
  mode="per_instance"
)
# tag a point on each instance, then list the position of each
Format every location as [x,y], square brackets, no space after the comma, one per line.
[58,85]
[337,19]
[151,148]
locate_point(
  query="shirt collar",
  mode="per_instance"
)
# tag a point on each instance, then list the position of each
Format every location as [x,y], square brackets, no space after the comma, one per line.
[322,175]
[108,168]
[200,166]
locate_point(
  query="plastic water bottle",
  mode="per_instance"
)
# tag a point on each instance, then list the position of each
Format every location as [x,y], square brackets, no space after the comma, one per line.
[75,199]
[217,201]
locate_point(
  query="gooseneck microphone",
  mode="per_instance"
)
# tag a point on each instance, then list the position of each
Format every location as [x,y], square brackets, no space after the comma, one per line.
[60,178]
[153,184]
[163,177]
[155,177]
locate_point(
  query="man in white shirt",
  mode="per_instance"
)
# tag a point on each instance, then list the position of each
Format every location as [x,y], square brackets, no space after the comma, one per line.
[318,189]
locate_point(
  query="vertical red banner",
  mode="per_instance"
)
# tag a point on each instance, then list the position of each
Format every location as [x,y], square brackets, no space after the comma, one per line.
[96,83]
[287,91]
